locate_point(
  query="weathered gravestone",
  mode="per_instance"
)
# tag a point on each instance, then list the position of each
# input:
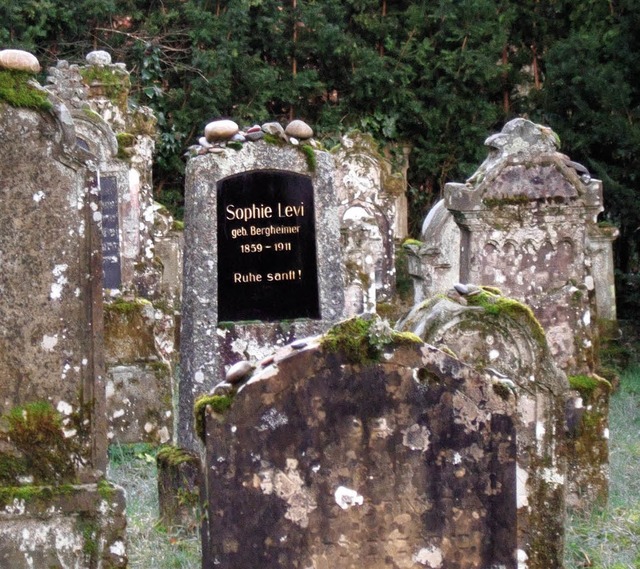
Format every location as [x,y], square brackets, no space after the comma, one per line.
[367,448]
[372,200]
[56,509]
[262,260]
[140,251]
[526,222]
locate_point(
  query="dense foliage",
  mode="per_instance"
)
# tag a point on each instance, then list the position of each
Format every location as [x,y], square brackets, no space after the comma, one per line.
[438,74]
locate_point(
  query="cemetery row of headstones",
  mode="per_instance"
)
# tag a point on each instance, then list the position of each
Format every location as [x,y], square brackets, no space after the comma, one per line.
[432,455]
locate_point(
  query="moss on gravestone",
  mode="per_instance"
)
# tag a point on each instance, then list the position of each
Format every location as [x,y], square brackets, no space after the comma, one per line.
[587,385]
[217,404]
[40,448]
[494,303]
[310,156]
[17,91]
[126,141]
[362,340]
[113,82]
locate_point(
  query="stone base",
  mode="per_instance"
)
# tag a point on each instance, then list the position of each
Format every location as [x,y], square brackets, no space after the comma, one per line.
[79,526]
[179,475]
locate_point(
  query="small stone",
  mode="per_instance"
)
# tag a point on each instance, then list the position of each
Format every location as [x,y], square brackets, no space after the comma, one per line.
[98,57]
[267,361]
[254,128]
[294,141]
[238,371]
[238,137]
[19,60]
[299,129]
[273,128]
[202,141]
[220,130]
[216,150]
[223,388]
[299,344]
[254,135]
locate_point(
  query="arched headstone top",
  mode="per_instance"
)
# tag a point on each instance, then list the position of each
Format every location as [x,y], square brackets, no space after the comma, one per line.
[525,166]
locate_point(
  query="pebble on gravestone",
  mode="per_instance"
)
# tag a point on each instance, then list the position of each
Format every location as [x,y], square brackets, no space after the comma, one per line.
[19,60]
[299,129]
[273,128]
[99,57]
[220,130]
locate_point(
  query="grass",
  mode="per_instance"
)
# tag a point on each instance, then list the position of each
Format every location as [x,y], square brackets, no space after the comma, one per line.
[609,538]
[150,545]
[606,538]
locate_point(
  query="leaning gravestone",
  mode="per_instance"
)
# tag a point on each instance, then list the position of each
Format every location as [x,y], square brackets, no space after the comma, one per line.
[262,254]
[368,448]
[56,510]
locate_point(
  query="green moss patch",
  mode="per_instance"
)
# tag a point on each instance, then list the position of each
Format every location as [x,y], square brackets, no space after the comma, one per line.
[126,141]
[361,340]
[352,338]
[217,403]
[125,307]
[587,385]
[16,90]
[39,447]
[174,456]
[114,83]
[31,494]
[497,305]
[273,139]
[310,156]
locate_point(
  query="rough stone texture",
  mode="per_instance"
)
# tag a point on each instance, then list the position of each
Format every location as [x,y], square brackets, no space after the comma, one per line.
[371,196]
[179,480]
[142,254]
[122,138]
[206,349]
[434,262]
[51,345]
[50,285]
[525,216]
[601,248]
[528,219]
[58,528]
[140,354]
[405,462]
[502,338]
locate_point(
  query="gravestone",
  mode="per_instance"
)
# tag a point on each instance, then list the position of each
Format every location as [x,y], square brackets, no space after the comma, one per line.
[365,447]
[140,251]
[262,260]
[527,219]
[501,337]
[371,191]
[56,508]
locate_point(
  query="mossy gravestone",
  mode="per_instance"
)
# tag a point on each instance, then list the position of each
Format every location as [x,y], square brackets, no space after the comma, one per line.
[262,260]
[366,447]
[53,433]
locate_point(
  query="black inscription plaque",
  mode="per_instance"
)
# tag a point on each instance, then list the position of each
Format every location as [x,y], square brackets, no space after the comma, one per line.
[110,233]
[267,266]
